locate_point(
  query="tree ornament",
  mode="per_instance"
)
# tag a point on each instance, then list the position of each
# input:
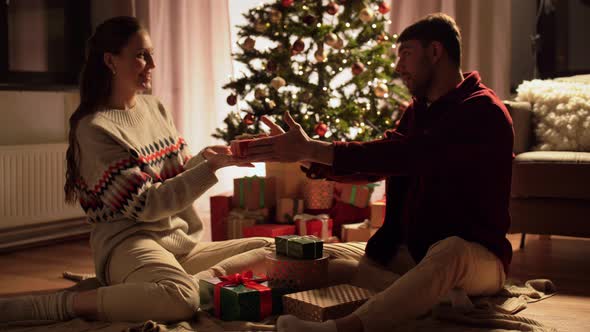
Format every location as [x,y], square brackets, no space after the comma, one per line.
[320,55]
[357,68]
[380,90]
[248,44]
[383,7]
[331,39]
[271,104]
[321,129]
[339,44]
[381,37]
[287,3]
[260,93]
[232,99]
[249,119]
[308,19]
[275,16]
[366,15]
[271,66]
[278,82]
[298,47]
[260,26]
[332,8]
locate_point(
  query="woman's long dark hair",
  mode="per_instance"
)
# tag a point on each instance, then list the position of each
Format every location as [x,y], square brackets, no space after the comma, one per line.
[95,86]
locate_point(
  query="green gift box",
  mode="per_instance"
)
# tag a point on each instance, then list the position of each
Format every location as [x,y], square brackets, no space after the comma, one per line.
[241,297]
[299,246]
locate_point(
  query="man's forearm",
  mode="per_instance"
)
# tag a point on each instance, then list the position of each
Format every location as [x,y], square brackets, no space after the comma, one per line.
[320,152]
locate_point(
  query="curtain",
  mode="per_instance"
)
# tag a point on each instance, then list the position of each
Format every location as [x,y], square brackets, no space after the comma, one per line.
[486,30]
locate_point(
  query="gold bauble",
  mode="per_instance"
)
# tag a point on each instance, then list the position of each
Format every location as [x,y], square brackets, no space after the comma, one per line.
[366,15]
[278,82]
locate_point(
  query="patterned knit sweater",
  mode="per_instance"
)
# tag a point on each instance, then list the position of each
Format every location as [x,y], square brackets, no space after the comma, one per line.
[137,176]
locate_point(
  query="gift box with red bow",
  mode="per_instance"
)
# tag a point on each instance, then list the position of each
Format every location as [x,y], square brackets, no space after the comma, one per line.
[240,297]
[317,225]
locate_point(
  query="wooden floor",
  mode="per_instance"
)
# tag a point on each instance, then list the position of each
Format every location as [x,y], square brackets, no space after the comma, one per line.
[566,261]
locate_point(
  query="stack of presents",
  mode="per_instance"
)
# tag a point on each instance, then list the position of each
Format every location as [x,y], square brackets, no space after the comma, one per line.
[293,284]
[285,202]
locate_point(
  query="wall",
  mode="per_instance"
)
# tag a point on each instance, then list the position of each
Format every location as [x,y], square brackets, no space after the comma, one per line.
[35,117]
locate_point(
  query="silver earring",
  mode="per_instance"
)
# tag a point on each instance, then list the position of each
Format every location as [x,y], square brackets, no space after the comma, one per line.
[114,72]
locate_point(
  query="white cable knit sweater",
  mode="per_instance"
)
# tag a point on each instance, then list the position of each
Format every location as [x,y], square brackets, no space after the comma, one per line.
[137,175]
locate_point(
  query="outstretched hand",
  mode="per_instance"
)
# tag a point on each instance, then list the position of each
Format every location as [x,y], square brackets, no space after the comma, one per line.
[219,156]
[281,146]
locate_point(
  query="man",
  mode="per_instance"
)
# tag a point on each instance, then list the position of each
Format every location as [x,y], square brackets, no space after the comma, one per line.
[448,171]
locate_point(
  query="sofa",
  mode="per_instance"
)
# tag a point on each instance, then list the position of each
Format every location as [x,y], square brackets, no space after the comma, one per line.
[550,189]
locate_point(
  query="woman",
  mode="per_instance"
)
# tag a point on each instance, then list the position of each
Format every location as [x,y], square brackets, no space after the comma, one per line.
[134,177]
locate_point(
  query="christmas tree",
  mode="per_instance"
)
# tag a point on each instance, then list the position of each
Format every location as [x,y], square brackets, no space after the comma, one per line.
[331,64]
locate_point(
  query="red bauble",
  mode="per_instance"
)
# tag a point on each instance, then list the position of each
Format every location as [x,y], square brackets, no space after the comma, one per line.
[287,3]
[232,99]
[249,119]
[321,129]
[297,47]
[357,68]
[309,19]
[332,8]
[383,7]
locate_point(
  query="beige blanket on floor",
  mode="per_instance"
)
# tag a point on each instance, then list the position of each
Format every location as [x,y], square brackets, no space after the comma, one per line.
[484,314]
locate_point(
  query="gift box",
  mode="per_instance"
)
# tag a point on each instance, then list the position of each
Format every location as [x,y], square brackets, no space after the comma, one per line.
[220,207]
[240,297]
[354,194]
[305,247]
[360,232]
[268,230]
[293,273]
[287,208]
[239,148]
[323,304]
[318,194]
[238,219]
[343,213]
[253,192]
[377,213]
[289,179]
[317,225]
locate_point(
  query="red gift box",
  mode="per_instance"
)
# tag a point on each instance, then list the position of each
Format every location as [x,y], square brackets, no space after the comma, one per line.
[377,213]
[343,213]
[354,194]
[318,194]
[319,226]
[220,207]
[268,230]
[240,147]
[254,193]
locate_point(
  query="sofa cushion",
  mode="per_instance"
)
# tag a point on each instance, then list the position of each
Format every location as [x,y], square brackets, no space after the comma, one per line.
[551,174]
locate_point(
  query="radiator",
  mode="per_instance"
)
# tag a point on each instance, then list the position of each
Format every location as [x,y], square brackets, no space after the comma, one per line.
[32,201]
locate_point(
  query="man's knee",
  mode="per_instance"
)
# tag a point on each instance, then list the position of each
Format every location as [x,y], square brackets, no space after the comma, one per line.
[449,251]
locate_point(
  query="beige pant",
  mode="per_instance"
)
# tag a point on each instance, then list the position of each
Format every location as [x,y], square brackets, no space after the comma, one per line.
[407,291]
[148,282]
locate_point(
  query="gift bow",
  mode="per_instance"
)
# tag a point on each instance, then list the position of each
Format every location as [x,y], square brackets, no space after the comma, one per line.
[302,219]
[246,279]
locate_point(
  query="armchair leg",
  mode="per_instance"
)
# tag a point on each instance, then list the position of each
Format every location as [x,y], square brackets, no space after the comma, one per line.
[522,238]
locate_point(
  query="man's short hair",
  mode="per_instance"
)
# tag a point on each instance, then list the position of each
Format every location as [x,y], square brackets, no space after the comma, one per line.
[436,27]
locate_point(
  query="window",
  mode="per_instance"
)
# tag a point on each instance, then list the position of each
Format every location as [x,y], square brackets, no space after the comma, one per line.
[42,42]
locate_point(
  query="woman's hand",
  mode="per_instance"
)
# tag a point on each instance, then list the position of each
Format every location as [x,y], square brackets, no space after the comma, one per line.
[219,156]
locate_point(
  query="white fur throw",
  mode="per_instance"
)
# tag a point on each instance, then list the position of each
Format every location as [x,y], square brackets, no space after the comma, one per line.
[561,112]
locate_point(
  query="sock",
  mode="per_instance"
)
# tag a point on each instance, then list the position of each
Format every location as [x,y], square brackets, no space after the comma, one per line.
[290,323]
[55,307]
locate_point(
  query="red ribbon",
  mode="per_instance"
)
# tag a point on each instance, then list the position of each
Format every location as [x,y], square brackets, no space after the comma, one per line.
[246,279]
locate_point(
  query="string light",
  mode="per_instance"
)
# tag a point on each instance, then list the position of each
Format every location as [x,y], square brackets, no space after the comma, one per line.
[393,46]
[386,95]
[369,63]
[319,25]
[306,117]
[340,69]
[301,72]
[389,22]
[337,120]
[374,26]
[392,65]
[325,89]
[344,61]
[378,112]
[395,35]
[347,25]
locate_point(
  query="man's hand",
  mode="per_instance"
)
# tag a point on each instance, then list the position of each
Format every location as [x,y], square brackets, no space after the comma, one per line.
[219,156]
[281,146]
